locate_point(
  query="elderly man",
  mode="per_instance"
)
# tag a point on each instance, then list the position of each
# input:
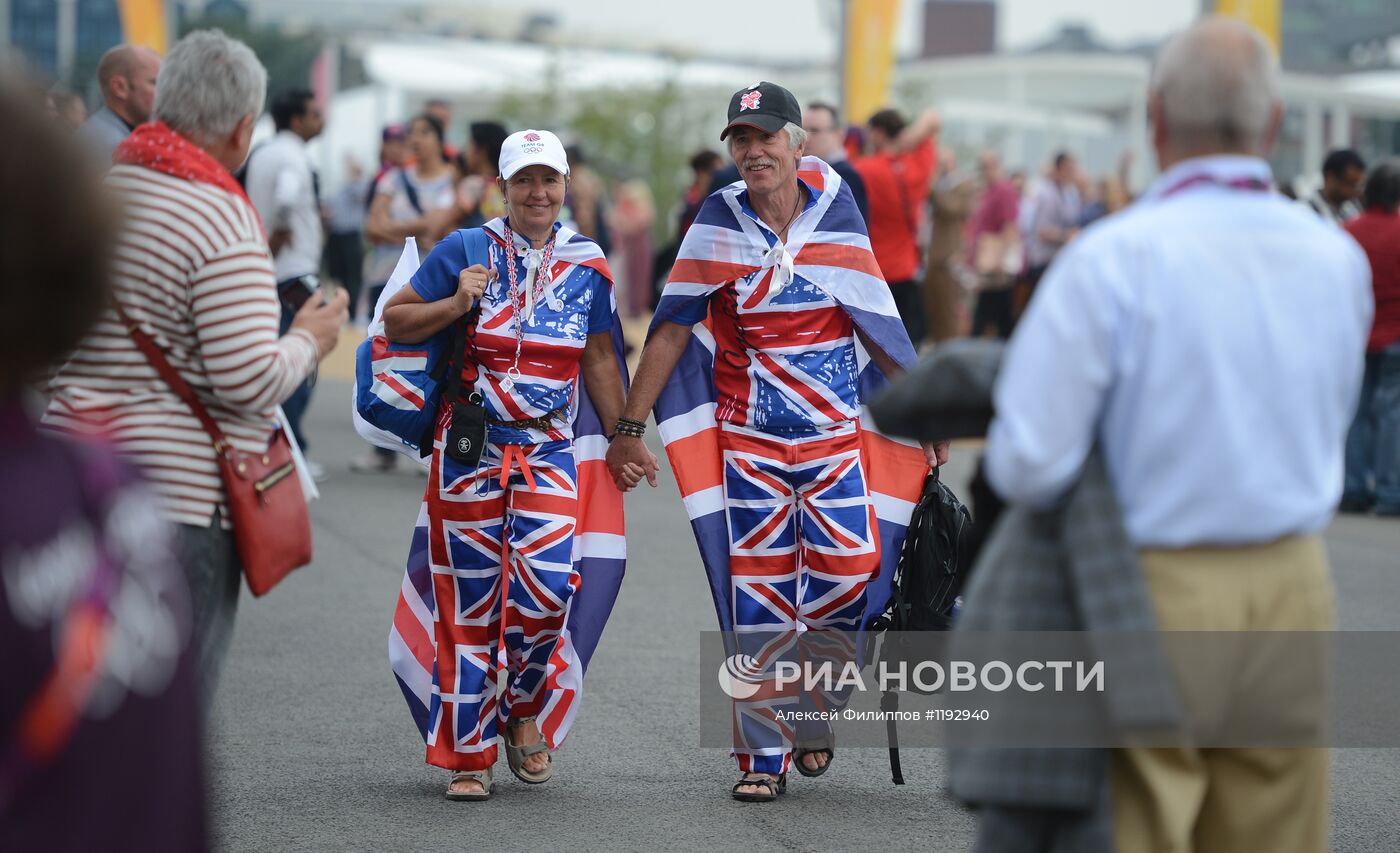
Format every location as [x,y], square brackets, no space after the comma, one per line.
[773,295]
[195,280]
[127,78]
[1209,340]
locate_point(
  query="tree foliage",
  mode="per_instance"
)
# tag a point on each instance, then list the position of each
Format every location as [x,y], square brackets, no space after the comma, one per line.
[648,134]
[287,58]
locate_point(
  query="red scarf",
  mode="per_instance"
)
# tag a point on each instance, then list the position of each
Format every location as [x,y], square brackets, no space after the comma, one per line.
[154,145]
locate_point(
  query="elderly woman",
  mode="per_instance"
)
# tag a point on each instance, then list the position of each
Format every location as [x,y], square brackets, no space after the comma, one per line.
[532,305]
[193,273]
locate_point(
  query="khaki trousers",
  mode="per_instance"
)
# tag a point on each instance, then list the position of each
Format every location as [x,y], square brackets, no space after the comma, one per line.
[1229,800]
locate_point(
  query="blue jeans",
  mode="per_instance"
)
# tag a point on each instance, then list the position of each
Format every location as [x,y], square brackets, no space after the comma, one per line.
[1373,442]
[295,405]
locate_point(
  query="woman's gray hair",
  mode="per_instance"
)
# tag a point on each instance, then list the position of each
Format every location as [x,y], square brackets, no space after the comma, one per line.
[207,84]
[1218,83]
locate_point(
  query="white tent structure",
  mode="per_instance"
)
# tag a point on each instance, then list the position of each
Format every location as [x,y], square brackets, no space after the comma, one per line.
[1028,105]
[475,75]
[1096,106]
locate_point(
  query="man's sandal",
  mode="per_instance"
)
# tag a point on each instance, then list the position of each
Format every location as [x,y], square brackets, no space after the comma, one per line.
[825,745]
[481,777]
[516,756]
[774,787]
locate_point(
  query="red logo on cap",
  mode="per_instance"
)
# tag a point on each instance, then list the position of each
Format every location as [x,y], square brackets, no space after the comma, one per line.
[532,137]
[750,101]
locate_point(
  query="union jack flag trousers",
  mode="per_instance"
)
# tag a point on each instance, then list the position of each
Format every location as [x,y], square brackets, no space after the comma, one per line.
[803,546]
[502,558]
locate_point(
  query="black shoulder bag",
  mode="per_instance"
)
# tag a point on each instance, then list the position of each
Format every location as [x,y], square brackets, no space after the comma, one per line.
[466,434]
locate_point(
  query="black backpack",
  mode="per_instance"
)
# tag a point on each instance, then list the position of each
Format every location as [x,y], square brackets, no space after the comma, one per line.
[928,581]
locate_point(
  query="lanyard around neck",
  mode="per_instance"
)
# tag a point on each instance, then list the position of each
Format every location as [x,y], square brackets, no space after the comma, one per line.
[1197,180]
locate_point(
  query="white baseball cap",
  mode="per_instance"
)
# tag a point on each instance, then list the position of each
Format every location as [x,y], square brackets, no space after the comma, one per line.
[532,148]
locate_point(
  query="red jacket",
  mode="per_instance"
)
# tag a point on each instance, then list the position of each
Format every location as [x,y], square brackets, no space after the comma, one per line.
[1378,232]
[896,188]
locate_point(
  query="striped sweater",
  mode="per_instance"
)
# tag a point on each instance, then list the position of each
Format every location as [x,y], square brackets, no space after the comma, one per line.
[192,269]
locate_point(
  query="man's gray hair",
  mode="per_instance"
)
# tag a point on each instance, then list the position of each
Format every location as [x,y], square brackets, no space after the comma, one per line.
[207,84]
[797,137]
[1218,83]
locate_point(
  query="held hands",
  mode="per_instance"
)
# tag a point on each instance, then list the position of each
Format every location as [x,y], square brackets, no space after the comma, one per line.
[629,461]
[471,284]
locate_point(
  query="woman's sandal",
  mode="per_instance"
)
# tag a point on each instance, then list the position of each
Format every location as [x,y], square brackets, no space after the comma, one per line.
[825,745]
[774,787]
[516,756]
[481,777]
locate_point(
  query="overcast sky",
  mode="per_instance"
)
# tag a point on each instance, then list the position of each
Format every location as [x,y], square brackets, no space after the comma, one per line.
[788,28]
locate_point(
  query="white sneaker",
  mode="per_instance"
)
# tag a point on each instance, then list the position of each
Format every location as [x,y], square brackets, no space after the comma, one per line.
[316,470]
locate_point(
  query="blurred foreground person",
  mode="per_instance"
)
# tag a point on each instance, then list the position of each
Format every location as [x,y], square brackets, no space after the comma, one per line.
[100,689]
[1373,443]
[1208,342]
[72,111]
[195,276]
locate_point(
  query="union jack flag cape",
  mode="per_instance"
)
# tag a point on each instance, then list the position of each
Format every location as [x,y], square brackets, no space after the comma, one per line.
[828,246]
[600,551]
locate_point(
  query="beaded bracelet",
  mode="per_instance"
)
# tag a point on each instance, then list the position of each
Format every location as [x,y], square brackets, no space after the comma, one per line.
[636,429]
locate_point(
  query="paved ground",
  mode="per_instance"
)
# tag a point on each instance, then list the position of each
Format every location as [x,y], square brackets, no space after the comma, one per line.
[313,748]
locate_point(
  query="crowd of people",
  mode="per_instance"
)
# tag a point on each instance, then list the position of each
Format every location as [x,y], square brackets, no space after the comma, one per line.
[207,284]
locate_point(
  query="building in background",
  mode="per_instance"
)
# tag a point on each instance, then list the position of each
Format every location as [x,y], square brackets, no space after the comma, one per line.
[62,39]
[1340,36]
[959,27]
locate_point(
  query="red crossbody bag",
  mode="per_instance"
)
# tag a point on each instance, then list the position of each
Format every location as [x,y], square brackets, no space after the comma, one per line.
[271,524]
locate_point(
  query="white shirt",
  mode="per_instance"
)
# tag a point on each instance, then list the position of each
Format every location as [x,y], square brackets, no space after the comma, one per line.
[1210,340]
[281,187]
[1318,204]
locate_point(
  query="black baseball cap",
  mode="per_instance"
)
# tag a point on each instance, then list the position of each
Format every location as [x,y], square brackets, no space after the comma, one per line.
[766,106]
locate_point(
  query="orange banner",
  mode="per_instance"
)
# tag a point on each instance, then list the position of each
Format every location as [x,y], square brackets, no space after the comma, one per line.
[869,57]
[1263,15]
[143,23]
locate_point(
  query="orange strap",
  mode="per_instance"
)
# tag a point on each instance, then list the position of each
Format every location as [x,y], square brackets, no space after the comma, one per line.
[516,453]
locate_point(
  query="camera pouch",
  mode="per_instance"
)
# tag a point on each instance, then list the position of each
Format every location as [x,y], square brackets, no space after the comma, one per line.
[466,437]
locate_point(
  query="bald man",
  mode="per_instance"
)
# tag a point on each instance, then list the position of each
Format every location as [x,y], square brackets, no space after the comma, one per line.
[127,77]
[1208,343]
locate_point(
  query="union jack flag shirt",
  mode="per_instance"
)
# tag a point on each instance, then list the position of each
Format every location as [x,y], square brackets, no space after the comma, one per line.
[577,303]
[785,349]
